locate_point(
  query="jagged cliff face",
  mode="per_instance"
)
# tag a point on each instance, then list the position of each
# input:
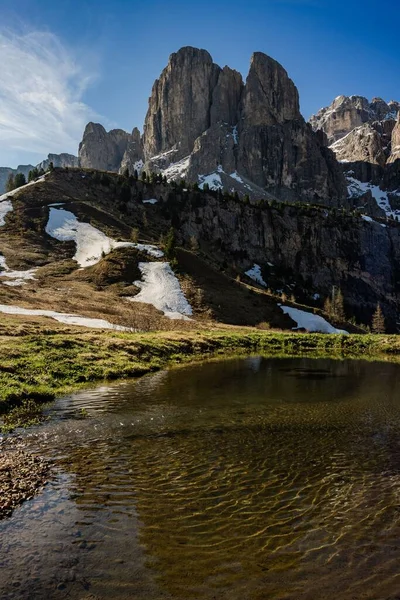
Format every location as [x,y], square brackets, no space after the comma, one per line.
[59,160]
[179,105]
[103,150]
[368,148]
[348,112]
[308,249]
[204,124]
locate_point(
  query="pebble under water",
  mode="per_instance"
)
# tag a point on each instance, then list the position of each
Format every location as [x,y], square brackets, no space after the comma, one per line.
[242,479]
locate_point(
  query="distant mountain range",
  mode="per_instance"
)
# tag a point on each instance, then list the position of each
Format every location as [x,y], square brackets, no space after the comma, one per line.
[58,160]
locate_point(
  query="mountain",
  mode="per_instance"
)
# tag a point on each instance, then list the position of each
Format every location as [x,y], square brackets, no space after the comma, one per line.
[97,248]
[207,126]
[365,137]
[260,208]
[5,173]
[58,160]
[348,112]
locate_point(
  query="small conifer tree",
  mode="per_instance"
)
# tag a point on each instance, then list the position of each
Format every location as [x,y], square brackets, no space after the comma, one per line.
[19,180]
[338,306]
[10,185]
[170,244]
[378,320]
[328,306]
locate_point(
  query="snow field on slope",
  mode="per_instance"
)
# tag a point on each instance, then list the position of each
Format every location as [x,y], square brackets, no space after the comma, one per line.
[161,288]
[61,317]
[5,207]
[357,188]
[255,274]
[370,220]
[178,169]
[14,278]
[309,321]
[91,243]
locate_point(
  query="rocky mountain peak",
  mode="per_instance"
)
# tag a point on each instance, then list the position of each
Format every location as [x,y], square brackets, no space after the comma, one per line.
[270,95]
[226,97]
[346,113]
[179,105]
[102,150]
[205,125]
[395,146]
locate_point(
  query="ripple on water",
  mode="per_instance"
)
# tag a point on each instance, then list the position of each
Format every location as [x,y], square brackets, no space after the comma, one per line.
[242,479]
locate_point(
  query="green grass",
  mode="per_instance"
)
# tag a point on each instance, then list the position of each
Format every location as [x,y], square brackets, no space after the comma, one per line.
[39,364]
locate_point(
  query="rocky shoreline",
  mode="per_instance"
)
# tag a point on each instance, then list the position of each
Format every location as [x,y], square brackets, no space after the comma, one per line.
[22,475]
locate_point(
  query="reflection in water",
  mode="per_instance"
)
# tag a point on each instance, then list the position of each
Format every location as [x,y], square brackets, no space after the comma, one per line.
[252,478]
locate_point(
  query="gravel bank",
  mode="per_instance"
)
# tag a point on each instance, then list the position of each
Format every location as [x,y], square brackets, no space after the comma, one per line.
[21,476]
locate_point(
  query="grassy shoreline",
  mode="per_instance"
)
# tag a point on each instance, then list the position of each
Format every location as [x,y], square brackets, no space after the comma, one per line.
[39,363]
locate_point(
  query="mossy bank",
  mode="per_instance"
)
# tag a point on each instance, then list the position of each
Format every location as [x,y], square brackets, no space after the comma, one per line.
[38,363]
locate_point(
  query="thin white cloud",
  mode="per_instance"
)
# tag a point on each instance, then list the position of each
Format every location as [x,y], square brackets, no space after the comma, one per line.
[41,89]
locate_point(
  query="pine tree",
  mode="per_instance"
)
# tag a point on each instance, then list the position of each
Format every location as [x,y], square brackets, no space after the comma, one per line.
[170,244]
[135,235]
[19,180]
[328,307]
[33,174]
[378,320]
[10,185]
[338,306]
[135,175]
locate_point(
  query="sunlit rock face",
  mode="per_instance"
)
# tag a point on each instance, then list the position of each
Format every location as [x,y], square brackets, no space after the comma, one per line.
[203,120]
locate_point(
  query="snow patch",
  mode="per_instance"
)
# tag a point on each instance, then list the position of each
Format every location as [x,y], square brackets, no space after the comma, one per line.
[358,188]
[235,135]
[177,170]
[255,274]
[235,175]
[138,166]
[61,317]
[213,180]
[310,321]
[369,220]
[91,243]
[151,201]
[14,278]
[149,249]
[5,207]
[161,288]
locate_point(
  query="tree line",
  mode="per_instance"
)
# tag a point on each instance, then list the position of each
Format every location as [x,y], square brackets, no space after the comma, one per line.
[19,179]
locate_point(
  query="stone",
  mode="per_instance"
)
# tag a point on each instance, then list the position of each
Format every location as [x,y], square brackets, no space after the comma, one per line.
[342,116]
[202,118]
[133,158]
[179,105]
[226,98]
[102,150]
[59,160]
[270,96]
[395,145]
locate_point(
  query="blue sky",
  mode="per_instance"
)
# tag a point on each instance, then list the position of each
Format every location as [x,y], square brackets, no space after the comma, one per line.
[64,63]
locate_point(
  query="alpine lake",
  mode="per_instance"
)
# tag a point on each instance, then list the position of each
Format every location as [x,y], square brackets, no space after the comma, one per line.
[242,479]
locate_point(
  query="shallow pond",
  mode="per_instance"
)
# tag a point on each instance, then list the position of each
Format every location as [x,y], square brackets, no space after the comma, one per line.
[252,478]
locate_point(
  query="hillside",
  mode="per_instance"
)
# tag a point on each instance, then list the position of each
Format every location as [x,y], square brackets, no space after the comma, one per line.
[94,217]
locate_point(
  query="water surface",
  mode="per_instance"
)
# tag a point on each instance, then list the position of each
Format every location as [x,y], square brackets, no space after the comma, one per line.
[243,479]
